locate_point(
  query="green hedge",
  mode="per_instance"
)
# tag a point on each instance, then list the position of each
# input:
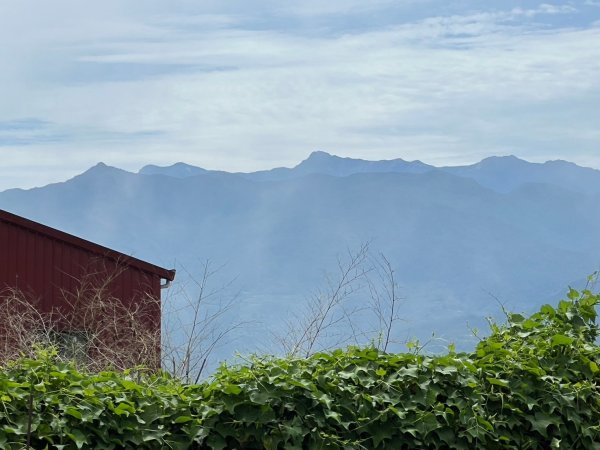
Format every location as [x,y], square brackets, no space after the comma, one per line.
[533,383]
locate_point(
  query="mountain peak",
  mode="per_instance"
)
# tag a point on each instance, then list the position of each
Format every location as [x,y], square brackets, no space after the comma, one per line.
[177,170]
[327,164]
[101,168]
[320,154]
[100,171]
[506,159]
[323,162]
[563,163]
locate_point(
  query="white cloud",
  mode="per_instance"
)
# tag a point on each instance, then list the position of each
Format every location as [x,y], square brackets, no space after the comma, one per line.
[544,8]
[236,97]
[319,7]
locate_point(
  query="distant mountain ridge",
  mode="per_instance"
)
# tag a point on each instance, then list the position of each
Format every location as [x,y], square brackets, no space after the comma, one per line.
[507,173]
[499,173]
[177,170]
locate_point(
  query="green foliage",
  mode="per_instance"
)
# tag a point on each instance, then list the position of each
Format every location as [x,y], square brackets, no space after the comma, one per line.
[532,384]
[67,409]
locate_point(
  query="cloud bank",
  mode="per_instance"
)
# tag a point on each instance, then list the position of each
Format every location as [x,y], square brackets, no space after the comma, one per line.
[244,87]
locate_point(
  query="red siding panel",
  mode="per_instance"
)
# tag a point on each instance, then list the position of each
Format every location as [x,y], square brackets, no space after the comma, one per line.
[46,263]
[3,254]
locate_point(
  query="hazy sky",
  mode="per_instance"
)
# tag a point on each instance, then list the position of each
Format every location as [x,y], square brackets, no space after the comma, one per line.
[242,85]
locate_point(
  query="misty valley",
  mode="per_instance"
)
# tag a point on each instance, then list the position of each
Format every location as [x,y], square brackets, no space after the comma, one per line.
[462,241]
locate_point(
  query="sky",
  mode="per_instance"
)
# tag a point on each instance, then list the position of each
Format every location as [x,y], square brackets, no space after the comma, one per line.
[243,86]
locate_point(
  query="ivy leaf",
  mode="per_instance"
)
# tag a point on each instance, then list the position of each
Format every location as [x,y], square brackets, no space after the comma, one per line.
[548,310]
[541,423]
[485,423]
[232,389]
[183,419]
[74,412]
[497,382]
[78,437]
[561,339]
[516,318]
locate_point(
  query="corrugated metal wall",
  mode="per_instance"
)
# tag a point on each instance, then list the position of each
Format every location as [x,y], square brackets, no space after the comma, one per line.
[46,268]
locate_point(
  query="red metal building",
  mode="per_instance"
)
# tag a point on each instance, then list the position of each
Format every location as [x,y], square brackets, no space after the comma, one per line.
[50,265]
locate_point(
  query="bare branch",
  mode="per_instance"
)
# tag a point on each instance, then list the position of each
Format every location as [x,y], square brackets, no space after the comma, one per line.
[324,310]
[196,326]
[384,298]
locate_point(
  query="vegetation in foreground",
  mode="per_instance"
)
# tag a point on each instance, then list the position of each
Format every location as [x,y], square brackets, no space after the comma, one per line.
[532,384]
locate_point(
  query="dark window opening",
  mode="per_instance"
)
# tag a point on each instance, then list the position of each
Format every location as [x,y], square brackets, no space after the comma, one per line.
[72,345]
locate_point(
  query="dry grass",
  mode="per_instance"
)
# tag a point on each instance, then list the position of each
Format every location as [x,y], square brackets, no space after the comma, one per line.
[92,326]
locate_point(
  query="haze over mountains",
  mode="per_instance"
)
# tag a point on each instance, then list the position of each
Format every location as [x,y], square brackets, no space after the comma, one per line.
[456,236]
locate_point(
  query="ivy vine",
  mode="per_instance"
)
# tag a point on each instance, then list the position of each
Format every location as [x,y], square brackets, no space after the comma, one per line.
[532,384]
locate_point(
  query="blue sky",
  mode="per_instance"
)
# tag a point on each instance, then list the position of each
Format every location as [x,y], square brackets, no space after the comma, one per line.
[243,85]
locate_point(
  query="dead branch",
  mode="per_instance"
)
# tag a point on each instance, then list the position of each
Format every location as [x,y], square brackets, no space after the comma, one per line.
[385,301]
[201,321]
[326,309]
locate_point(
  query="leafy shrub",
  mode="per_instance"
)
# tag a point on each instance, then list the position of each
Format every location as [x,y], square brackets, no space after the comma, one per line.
[533,383]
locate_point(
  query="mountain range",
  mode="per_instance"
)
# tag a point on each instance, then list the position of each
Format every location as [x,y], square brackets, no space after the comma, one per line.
[499,173]
[460,239]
